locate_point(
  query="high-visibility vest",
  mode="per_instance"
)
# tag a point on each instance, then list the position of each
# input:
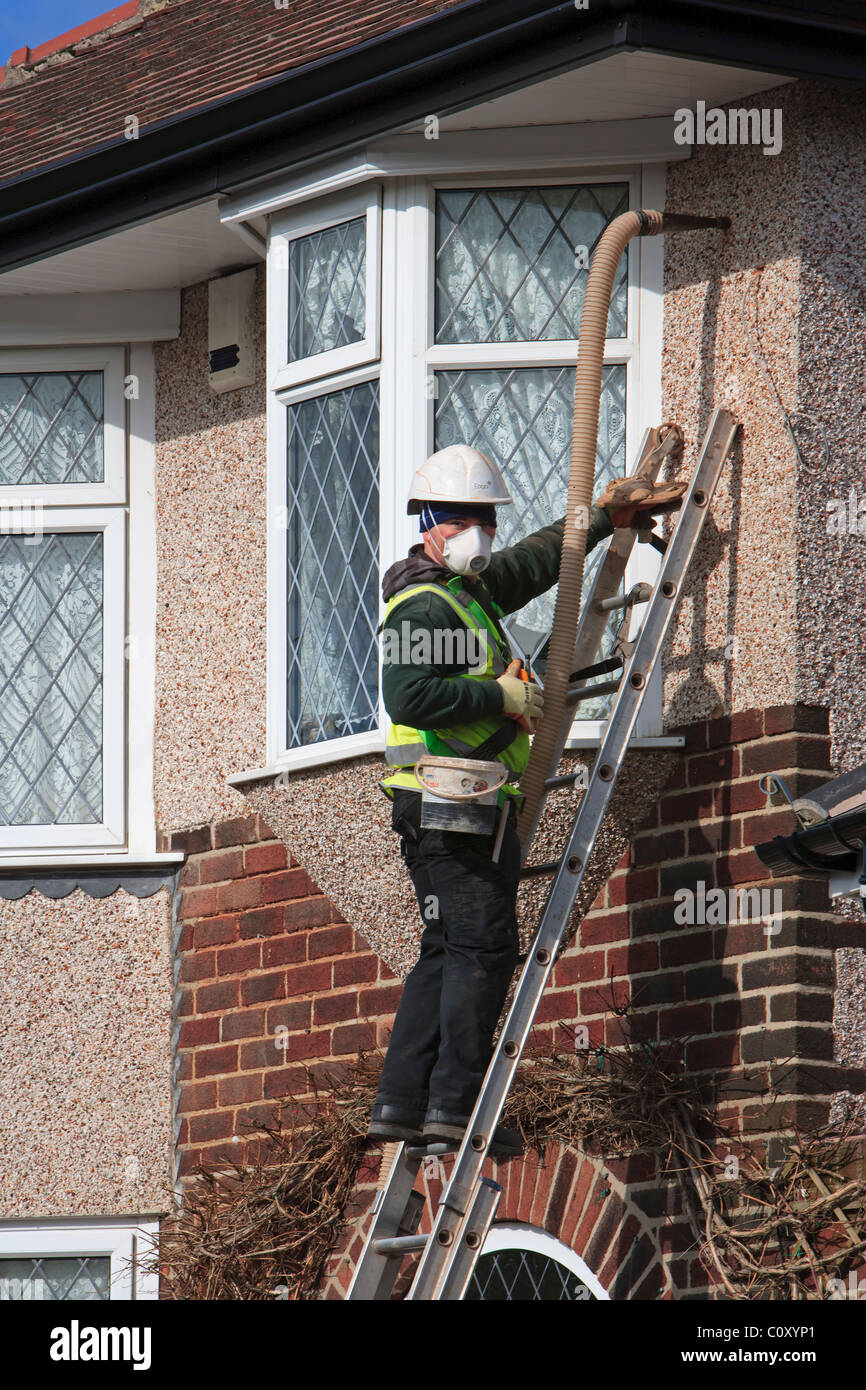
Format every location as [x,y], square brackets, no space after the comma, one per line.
[406,745]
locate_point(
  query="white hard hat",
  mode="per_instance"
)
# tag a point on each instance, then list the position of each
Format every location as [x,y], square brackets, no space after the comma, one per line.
[457,474]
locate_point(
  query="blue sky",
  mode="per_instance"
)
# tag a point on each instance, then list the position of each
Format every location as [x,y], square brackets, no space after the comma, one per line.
[27,23]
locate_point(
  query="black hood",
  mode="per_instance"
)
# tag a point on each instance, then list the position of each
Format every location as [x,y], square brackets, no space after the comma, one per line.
[417,568]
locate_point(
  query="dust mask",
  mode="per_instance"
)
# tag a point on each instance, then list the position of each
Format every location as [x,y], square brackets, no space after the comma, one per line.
[468,552]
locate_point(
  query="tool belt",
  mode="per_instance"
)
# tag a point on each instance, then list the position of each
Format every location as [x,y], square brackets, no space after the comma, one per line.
[459,794]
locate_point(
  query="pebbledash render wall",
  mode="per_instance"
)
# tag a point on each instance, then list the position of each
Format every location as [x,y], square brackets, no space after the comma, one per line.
[296,920]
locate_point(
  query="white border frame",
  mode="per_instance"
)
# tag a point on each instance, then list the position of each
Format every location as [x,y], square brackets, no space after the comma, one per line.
[290,226]
[124,1240]
[110,362]
[112,829]
[513,1235]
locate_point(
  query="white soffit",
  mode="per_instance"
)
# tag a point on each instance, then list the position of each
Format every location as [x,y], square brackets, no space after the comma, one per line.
[166,253]
[619,88]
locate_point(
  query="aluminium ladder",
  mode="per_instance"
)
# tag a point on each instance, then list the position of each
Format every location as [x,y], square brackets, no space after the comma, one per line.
[469,1199]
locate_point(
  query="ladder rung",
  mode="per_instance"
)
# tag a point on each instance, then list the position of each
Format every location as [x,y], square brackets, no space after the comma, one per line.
[574,697]
[537,870]
[398,1245]
[640,593]
[567,779]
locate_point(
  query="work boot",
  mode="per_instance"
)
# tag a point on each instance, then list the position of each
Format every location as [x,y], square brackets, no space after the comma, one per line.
[390,1122]
[442,1127]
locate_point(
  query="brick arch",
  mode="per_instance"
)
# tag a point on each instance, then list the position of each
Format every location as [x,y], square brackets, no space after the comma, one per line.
[579,1199]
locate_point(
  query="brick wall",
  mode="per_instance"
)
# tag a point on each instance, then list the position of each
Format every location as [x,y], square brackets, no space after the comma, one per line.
[270,977]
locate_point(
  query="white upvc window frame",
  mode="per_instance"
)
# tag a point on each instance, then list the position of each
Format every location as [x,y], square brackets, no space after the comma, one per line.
[122,1240]
[407,362]
[514,1235]
[124,509]
[292,226]
[110,362]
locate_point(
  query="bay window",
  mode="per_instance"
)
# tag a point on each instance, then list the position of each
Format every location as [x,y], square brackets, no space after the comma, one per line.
[404,317]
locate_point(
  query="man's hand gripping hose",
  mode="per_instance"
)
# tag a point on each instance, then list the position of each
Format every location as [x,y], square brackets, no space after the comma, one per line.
[522,699]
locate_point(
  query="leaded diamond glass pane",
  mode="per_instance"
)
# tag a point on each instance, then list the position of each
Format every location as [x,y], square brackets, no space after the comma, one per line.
[521,419]
[512,263]
[41,1280]
[524,1276]
[333,563]
[51,666]
[327,300]
[51,427]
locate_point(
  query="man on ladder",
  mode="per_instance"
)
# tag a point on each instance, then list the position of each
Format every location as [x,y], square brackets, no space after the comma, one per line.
[451,688]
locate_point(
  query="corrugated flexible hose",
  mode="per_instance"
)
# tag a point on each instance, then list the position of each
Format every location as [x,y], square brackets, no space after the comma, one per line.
[581,479]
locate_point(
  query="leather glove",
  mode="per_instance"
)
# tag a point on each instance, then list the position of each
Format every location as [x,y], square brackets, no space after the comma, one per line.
[521,700]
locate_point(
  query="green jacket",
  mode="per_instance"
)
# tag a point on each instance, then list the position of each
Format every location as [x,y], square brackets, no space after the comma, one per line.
[428,696]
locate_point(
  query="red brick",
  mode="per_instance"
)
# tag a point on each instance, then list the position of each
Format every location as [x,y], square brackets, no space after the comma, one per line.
[777,754]
[190,841]
[655,849]
[692,945]
[383,1000]
[297,1014]
[736,728]
[686,1020]
[712,768]
[596,999]
[306,979]
[217,1125]
[686,806]
[220,865]
[732,798]
[234,960]
[307,912]
[263,858]
[200,1096]
[695,735]
[261,1054]
[559,1004]
[199,902]
[209,998]
[611,926]
[186,1003]
[288,1081]
[198,1031]
[281,887]
[216,931]
[782,719]
[264,921]
[335,1008]
[299,1046]
[730,1014]
[757,829]
[583,965]
[211,1061]
[201,966]
[241,893]
[283,950]
[249,1023]
[257,988]
[714,836]
[186,939]
[709,1053]
[356,970]
[188,875]
[333,942]
[241,830]
[237,1090]
[742,867]
[353,1037]
[634,959]
[633,887]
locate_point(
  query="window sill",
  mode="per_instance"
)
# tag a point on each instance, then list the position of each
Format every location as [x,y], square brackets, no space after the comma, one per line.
[647,744]
[317,755]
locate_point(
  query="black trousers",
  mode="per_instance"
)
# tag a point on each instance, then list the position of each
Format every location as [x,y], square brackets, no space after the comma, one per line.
[442,1039]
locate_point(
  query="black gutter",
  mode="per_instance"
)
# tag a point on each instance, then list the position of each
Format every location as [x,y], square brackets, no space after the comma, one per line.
[462,56]
[833,846]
